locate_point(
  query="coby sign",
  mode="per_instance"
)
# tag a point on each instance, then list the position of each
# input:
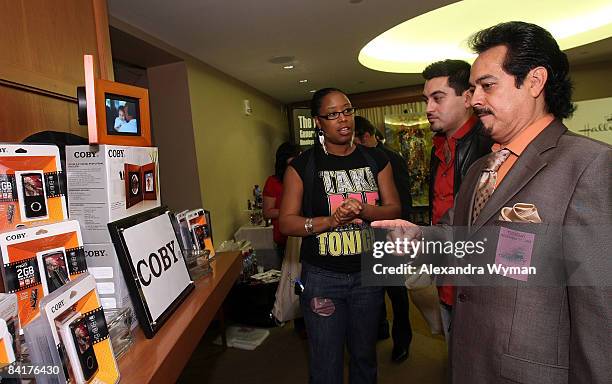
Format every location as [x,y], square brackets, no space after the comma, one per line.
[156,262]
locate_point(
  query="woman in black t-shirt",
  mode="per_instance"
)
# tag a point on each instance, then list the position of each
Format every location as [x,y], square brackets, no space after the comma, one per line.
[331,193]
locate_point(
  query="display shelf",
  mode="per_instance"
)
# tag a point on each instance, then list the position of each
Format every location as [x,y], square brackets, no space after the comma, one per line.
[162,358]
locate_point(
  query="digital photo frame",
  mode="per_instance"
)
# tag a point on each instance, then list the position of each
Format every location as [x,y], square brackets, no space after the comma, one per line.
[116,113]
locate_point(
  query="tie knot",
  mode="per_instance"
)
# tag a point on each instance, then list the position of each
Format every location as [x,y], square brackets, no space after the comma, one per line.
[496,159]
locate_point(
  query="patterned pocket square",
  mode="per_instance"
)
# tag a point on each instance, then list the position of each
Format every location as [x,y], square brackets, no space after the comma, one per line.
[520,213]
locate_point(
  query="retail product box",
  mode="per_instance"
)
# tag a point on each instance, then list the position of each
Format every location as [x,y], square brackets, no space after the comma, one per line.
[103,265]
[110,182]
[32,190]
[71,337]
[10,342]
[40,260]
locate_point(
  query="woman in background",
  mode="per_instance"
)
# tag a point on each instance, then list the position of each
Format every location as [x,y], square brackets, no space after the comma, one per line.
[331,194]
[273,193]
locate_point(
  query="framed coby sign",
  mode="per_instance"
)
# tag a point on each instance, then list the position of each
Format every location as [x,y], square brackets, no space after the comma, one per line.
[153,265]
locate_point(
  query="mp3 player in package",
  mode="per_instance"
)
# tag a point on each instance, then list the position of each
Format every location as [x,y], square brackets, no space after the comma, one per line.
[78,344]
[72,333]
[32,190]
[38,261]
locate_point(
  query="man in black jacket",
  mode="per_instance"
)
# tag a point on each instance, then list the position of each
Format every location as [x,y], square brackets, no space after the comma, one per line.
[458,142]
[365,134]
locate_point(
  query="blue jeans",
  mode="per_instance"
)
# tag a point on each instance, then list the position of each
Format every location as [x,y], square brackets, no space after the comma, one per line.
[338,311]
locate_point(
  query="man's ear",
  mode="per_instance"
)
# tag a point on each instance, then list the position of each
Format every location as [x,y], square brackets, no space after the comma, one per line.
[467,98]
[536,80]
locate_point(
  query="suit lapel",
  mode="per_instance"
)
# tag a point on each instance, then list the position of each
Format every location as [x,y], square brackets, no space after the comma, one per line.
[524,169]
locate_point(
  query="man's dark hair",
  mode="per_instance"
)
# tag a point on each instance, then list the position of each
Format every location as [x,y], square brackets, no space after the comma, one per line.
[458,72]
[363,126]
[317,99]
[530,46]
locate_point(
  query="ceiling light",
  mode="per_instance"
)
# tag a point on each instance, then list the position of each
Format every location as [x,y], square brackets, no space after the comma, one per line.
[281,59]
[288,66]
[412,45]
[303,81]
[312,91]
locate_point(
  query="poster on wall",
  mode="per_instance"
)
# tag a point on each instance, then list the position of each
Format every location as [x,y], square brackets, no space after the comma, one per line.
[593,118]
[303,128]
[409,134]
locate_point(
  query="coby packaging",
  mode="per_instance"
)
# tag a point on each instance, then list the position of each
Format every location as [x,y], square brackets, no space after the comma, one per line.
[200,231]
[31,186]
[183,229]
[72,333]
[103,265]
[7,352]
[38,261]
[9,329]
[108,183]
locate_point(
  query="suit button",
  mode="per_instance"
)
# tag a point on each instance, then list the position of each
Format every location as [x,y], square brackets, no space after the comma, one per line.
[462,297]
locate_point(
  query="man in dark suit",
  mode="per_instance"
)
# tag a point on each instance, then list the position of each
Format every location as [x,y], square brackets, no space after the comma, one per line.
[543,201]
[401,332]
[459,140]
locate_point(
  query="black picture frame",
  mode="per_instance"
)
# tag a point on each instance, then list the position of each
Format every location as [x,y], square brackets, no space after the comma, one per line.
[149,325]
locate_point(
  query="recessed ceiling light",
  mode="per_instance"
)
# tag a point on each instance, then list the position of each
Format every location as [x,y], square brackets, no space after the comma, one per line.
[288,66]
[304,81]
[355,1]
[312,91]
[404,48]
[281,59]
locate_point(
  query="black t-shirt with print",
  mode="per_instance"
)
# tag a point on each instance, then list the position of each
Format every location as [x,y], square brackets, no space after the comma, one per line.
[337,178]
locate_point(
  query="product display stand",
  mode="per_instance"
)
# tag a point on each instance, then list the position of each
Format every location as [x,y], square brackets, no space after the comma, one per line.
[162,358]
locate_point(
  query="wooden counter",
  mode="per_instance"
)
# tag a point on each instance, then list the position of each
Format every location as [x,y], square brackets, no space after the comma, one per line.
[162,358]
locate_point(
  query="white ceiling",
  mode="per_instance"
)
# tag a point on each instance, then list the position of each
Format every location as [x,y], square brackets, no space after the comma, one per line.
[239,37]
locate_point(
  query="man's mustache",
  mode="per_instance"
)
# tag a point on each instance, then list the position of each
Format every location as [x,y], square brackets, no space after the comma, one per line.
[482,111]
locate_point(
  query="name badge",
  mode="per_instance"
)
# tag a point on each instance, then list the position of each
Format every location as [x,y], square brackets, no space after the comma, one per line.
[513,253]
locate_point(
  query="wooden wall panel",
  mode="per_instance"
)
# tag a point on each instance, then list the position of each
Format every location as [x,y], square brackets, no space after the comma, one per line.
[42,44]
[47,40]
[24,113]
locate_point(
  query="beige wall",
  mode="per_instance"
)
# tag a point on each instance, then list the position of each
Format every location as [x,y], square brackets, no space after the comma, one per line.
[171,121]
[234,151]
[592,81]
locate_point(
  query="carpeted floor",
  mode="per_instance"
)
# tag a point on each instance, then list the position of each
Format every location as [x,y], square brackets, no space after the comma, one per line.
[283,358]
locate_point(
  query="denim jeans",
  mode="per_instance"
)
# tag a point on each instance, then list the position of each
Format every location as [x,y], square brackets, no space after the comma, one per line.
[338,311]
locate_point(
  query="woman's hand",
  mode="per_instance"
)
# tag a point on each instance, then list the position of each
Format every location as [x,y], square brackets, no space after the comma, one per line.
[347,212]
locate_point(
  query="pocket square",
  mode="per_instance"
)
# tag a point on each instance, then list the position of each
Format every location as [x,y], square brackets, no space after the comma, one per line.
[520,213]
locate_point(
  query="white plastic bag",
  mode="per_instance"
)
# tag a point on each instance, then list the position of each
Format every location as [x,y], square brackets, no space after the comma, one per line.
[287,304]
